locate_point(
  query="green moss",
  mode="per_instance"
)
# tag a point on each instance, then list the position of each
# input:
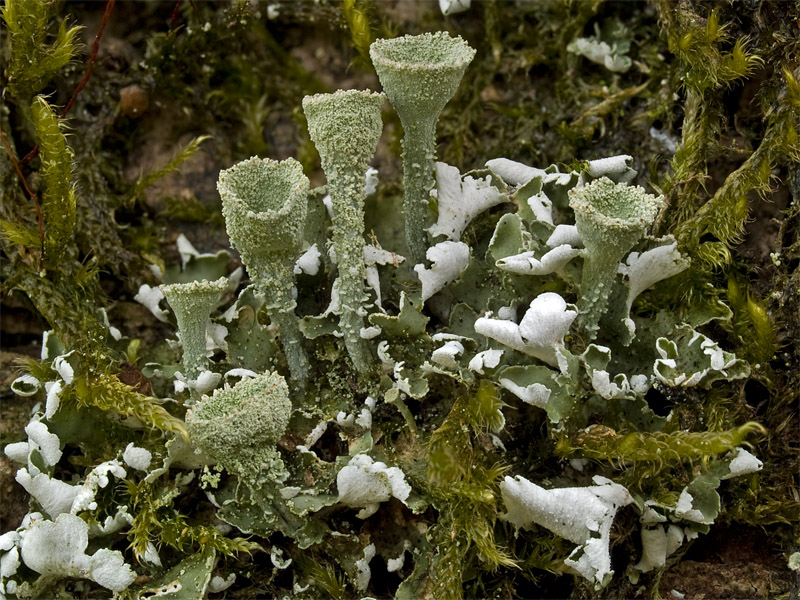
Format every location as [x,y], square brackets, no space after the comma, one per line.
[33,58]
[58,200]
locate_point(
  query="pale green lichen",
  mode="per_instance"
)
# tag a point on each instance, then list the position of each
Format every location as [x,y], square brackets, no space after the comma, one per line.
[264,203]
[446,453]
[345,127]
[420,74]
[611,218]
[239,426]
[192,304]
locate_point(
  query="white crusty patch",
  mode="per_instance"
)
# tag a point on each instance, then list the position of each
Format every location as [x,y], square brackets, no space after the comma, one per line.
[446,355]
[512,172]
[540,331]
[488,359]
[137,458]
[309,262]
[525,263]
[150,298]
[582,515]
[365,483]
[536,394]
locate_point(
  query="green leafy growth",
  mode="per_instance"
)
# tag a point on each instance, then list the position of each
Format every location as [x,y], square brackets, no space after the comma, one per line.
[107,392]
[21,235]
[724,216]
[32,60]
[58,200]
[464,481]
[700,44]
[325,576]
[356,14]
[602,443]
[753,325]
[176,161]
[157,519]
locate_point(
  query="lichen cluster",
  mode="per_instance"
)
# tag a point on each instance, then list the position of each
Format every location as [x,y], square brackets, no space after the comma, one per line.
[454,385]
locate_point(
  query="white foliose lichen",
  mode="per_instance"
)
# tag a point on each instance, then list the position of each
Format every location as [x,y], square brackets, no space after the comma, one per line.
[582,515]
[364,484]
[58,549]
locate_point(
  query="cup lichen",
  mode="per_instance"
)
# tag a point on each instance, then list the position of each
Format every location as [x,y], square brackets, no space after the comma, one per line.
[611,218]
[420,74]
[345,127]
[192,304]
[264,203]
[239,426]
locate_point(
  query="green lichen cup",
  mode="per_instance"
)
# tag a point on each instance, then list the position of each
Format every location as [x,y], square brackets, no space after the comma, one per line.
[192,304]
[420,74]
[265,203]
[345,127]
[611,218]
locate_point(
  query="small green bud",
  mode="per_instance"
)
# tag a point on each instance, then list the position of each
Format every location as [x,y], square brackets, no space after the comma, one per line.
[239,426]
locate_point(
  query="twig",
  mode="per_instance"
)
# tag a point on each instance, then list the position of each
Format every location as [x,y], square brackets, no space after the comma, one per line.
[176,12]
[21,175]
[92,57]
[86,75]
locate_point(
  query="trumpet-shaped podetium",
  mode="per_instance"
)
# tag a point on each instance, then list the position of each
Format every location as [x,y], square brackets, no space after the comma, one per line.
[192,304]
[345,127]
[420,74]
[239,426]
[611,218]
[264,203]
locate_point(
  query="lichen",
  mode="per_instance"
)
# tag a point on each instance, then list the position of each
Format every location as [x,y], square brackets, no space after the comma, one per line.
[495,350]
[239,426]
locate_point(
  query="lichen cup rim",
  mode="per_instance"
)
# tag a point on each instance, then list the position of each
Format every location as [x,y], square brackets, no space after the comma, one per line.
[321,122]
[325,97]
[290,171]
[642,207]
[457,54]
[194,288]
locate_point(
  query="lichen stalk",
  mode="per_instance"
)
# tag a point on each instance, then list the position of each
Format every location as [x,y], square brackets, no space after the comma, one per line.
[345,127]
[610,219]
[264,203]
[420,74]
[419,156]
[192,304]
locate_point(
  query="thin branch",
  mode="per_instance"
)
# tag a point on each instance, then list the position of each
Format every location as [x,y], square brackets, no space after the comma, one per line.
[21,175]
[92,57]
[86,75]
[176,11]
